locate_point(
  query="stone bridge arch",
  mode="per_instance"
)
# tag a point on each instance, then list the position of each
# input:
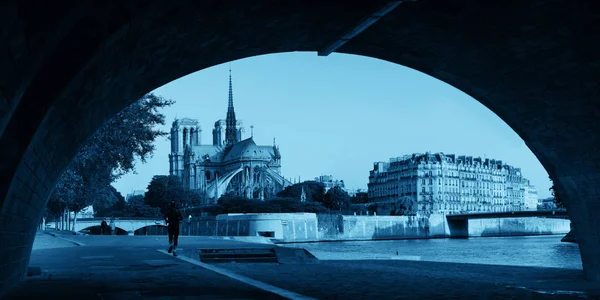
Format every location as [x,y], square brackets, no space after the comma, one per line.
[127,225]
[96,230]
[534,63]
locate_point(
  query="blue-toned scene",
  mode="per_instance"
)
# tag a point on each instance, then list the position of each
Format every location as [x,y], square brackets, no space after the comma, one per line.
[414,149]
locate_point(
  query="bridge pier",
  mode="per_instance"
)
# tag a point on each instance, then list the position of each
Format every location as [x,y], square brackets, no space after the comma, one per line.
[587,234]
[570,237]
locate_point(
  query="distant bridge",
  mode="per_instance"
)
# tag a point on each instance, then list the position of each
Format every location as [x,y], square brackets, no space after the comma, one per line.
[458,224]
[561,213]
[127,224]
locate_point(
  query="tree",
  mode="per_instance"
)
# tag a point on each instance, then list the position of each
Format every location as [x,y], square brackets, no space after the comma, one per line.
[230,203]
[164,189]
[136,207]
[405,206]
[103,206]
[193,198]
[336,199]
[108,154]
[113,205]
[314,190]
[557,199]
[360,197]
[62,197]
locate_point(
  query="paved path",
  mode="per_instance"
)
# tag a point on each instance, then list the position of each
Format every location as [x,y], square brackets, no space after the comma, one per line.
[46,241]
[123,267]
[126,272]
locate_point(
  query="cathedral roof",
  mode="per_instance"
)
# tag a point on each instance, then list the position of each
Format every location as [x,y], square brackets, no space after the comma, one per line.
[207,150]
[247,149]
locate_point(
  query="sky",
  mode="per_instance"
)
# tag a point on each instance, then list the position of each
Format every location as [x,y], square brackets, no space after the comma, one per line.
[337,115]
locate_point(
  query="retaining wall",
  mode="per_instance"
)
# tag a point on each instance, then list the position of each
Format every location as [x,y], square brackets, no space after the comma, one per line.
[306,227]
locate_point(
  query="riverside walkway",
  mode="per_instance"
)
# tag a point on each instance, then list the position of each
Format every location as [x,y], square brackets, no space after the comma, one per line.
[130,267]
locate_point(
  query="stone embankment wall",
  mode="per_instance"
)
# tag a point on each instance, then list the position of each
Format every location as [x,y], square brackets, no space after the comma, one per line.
[213,227]
[306,227]
[518,226]
[335,227]
[284,227]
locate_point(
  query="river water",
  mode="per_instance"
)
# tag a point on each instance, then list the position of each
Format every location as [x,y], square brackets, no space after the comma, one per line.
[539,251]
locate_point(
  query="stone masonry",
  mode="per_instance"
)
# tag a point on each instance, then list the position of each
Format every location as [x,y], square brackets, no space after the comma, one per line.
[68,66]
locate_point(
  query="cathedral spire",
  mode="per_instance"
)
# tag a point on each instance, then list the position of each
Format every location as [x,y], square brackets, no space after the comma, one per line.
[230,106]
[231,122]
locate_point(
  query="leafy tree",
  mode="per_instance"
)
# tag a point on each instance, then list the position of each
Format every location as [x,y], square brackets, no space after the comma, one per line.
[359,198]
[336,199]
[193,199]
[113,205]
[104,205]
[64,193]
[405,206]
[136,207]
[557,199]
[164,189]
[108,154]
[314,190]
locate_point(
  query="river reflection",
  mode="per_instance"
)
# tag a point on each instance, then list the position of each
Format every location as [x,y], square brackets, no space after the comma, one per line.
[540,251]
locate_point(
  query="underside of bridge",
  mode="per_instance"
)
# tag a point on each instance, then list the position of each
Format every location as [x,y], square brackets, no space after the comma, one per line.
[68,66]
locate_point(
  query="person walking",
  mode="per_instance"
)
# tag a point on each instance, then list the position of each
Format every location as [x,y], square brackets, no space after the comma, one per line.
[112,226]
[173,218]
[103,227]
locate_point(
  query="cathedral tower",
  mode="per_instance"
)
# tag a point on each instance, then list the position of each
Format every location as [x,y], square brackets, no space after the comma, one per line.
[231,132]
[185,133]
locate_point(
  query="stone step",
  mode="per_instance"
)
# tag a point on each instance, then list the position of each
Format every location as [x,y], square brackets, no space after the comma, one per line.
[261,250]
[240,260]
[259,254]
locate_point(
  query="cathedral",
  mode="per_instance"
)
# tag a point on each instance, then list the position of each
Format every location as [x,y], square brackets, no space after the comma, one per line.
[229,165]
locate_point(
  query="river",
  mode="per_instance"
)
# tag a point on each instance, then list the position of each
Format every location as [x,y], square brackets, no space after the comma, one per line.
[539,251]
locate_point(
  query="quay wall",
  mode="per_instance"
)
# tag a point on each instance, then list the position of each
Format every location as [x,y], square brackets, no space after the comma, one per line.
[308,227]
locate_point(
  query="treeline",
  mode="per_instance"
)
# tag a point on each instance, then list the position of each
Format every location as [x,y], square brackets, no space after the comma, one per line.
[286,201]
[164,189]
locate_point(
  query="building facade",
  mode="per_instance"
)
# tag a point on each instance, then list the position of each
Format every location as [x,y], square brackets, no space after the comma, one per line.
[447,183]
[230,164]
[531,197]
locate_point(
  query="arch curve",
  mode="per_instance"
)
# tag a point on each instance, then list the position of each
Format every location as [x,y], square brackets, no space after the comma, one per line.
[154,229]
[96,230]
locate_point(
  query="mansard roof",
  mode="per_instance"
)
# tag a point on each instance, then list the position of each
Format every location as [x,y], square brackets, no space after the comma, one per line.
[451,158]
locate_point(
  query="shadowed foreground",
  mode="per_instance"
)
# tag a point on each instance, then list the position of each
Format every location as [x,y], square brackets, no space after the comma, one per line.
[126,267]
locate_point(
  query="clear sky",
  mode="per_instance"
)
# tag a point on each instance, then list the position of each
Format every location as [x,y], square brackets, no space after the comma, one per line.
[337,115]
